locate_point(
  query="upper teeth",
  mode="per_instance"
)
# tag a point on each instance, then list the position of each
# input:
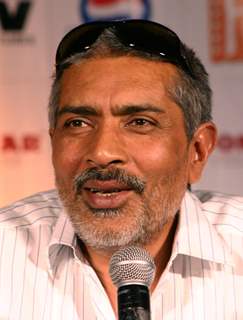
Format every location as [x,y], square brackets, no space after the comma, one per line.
[95,190]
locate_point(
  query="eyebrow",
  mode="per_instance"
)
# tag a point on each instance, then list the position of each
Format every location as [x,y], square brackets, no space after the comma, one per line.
[117,111]
[80,110]
[130,109]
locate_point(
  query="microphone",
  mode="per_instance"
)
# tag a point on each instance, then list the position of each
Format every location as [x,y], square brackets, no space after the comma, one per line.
[132,271]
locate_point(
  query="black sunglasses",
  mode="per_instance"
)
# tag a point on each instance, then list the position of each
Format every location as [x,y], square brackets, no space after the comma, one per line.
[141,35]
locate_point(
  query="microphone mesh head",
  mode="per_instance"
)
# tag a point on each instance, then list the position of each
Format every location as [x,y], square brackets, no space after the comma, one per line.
[131,265]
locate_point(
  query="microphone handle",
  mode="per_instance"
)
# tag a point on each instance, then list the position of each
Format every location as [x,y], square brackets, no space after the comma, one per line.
[133,302]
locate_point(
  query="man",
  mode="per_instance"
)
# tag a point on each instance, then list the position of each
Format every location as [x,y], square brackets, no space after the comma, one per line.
[131,130]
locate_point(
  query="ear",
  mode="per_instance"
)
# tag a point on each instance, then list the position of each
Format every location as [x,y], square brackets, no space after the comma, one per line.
[201,146]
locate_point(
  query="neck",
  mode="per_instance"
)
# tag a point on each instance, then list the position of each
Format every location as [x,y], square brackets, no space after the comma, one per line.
[159,247]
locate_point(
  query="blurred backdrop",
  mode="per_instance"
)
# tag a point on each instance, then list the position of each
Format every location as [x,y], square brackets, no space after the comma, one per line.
[29,34]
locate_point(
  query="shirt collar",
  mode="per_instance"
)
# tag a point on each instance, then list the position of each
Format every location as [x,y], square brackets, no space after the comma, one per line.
[63,242]
[196,236]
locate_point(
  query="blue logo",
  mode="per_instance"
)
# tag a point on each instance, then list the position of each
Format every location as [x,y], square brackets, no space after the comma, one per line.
[92,10]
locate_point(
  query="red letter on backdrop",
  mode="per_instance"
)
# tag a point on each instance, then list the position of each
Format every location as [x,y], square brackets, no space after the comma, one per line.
[30,142]
[9,143]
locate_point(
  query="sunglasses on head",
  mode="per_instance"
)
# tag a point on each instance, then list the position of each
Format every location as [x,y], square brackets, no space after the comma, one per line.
[141,35]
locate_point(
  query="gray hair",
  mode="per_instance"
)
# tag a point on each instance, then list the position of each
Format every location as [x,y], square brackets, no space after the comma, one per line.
[192,94]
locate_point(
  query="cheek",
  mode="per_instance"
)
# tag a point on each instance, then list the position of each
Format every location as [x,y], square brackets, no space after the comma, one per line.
[66,157]
[155,157]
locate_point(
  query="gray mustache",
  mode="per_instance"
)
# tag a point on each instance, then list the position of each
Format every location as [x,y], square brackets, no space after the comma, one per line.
[119,175]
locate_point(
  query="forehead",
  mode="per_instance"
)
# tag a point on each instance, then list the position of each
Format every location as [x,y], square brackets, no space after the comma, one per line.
[123,78]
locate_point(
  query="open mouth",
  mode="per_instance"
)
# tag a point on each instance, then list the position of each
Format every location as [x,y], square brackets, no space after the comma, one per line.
[105,192]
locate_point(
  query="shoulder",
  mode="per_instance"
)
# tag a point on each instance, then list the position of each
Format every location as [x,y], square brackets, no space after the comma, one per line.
[225,215]
[40,208]
[222,210]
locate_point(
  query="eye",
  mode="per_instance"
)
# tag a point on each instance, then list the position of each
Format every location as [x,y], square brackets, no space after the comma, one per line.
[140,122]
[141,125]
[74,126]
[75,123]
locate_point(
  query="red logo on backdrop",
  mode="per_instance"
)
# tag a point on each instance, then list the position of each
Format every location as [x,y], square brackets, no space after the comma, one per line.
[226,30]
[26,142]
[114,9]
[229,142]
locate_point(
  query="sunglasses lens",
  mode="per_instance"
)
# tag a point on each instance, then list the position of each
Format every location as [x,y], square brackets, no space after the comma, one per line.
[79,40]
[146,36]
[151,38]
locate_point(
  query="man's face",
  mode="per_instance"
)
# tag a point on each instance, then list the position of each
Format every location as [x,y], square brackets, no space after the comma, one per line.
[120,150]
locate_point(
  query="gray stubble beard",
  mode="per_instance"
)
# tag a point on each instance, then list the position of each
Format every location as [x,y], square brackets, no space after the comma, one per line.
[145,223]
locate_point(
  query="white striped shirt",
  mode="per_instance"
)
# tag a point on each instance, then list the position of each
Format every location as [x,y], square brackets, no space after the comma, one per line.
[44,276]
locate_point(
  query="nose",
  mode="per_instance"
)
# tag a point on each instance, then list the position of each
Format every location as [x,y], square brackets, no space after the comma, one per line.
[107,148]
